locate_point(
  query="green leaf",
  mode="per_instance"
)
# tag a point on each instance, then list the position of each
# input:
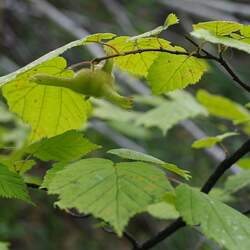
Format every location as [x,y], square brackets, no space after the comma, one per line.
[209,142]
[181,106]
[163,210]
[219,28]
[166,208]
[171,19]
[4,245]
[112,192]
[218,221]
[223,107]
[226,41]
[49,110]
[51,173]
[170,72]
[65,147]
[238,181]
[175,169]
[244,163]
[224,33]
[23,166]
[12,185]
[137,64]
[138,156]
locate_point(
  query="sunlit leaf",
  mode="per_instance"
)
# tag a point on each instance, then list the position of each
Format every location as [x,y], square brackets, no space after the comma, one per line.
[170,72]
[224,32]
[139,63]
[49,110]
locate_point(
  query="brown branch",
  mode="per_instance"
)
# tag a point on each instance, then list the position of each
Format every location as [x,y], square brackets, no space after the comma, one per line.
[197,54]
[139,51]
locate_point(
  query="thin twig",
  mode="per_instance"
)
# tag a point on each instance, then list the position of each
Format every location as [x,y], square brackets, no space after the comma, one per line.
[197,54]
[139,51]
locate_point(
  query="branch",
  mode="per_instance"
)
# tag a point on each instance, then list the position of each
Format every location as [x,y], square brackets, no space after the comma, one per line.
[224,166]
[197,54]
[177,224]
[209,184]
[139,51]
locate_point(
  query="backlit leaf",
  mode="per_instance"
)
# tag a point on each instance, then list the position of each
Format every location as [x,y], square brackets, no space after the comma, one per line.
[49,110]
[139,63]
[170,72]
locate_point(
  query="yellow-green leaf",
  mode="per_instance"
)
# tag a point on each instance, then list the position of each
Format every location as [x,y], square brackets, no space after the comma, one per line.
[139,63]
[244,163]
[49,110]
[218,28]
[230,34]
[170,72]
